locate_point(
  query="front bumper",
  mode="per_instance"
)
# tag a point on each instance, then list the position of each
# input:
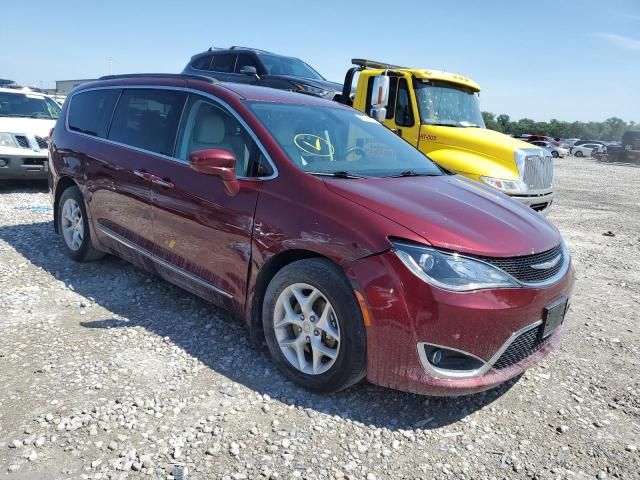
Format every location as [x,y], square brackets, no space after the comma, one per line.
[23,164]
[406,312]
[540,203]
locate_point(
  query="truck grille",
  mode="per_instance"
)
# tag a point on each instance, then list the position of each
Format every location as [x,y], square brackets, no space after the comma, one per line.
[538,172]
[23,142]
[42,142]
[521,267]
[522,347]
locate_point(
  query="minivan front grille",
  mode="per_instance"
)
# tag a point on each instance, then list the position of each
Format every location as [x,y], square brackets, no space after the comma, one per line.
[538,172]
[522,347]
[522,268]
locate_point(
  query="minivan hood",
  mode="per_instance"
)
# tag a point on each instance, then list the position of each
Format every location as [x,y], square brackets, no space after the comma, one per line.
[454,213]
[27,126]
[495,145]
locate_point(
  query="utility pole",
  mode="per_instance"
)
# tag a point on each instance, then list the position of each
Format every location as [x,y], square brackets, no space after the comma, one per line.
[110,65]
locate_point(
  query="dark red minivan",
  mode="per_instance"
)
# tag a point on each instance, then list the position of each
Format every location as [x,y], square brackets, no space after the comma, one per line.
[345,248]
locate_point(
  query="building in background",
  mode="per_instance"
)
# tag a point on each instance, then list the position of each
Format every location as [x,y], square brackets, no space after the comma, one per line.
[63,87]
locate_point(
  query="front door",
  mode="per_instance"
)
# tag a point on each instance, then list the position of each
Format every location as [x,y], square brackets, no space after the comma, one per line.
[202,232]
[402,116]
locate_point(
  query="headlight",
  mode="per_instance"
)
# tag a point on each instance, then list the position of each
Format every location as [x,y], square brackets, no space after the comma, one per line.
[506,186]
[7,140]
[450,271]
[311,90]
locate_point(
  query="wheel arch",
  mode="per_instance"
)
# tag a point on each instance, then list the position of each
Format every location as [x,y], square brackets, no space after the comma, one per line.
[62,184]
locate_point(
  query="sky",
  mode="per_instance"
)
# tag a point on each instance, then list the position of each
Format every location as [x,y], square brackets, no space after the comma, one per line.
[570,60]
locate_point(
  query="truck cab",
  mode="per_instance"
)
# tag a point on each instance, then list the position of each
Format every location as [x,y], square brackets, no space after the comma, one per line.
[439,113]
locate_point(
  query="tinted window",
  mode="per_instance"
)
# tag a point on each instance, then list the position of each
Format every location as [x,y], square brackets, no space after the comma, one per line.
[246,60]
[404,112]
[289,66]
[91,112]
[205,125]
[223,62]
[148,119]
[202,63]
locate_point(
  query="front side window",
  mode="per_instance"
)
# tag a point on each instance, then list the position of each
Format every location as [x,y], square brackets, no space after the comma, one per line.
[246,60]
[340,141]
[446,104]
[404,111]
[28,105]
[223,62]
[90,112]
[148,119]
[276,65]
[205,125]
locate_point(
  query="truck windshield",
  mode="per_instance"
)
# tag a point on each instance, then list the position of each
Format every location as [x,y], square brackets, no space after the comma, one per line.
[340,142]
[276,65]
[27,105]
[442,103]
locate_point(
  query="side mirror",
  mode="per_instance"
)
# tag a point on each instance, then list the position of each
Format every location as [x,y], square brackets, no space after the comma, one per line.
[380,91]
[218,162]
[379,114]
[250,71]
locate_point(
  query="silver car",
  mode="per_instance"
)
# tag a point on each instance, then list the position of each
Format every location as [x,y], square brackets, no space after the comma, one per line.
[554,150]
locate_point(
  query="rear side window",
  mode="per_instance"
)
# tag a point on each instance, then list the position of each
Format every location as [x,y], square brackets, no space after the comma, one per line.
[90,112]
[148,119]
[223,62]
[202,63]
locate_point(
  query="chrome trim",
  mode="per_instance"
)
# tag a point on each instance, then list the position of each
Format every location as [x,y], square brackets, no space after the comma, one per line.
[154,258]
[222,103]
[463,374]
[547,265]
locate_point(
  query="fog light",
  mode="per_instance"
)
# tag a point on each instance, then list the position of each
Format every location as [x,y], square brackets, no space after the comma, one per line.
[3,162]
[436,356]
[453,360]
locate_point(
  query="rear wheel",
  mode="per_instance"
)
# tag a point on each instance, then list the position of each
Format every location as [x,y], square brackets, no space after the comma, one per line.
[73,225]
[554,154]
[313,326]
[579,153]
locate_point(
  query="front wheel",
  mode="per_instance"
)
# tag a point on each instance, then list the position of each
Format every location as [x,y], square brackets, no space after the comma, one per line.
[313,326]
[579,153]
[73,225]
[554,154]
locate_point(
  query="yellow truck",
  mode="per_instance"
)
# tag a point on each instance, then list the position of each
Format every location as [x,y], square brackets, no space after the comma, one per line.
[438,112]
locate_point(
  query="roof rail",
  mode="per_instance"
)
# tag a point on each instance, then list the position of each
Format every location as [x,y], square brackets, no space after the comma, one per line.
[236,47]
[361,62]
[177,76]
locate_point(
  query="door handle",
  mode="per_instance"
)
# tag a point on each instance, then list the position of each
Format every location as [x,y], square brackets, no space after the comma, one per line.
[162,183]
[141,174]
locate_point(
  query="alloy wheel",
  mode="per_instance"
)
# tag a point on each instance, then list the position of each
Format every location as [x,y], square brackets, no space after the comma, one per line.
[72,224]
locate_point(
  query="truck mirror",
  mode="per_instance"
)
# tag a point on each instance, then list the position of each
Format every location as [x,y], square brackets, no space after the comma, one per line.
[380,92]
[379,114]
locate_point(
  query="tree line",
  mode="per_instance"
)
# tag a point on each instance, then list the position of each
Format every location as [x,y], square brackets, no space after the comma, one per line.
[609,130]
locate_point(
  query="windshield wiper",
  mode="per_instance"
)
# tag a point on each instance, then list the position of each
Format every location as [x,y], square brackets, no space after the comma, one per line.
[413,173]
[337,174]
[444,124]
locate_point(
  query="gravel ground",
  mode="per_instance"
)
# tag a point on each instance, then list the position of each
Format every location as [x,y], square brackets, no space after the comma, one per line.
[108,372]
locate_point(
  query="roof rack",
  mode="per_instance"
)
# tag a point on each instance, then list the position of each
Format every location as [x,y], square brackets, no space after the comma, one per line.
[177,76]
[361,62]
[237,47]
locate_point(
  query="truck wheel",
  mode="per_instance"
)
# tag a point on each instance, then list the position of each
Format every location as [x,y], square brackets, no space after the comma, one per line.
[313,326]
[73,225]
[579,153]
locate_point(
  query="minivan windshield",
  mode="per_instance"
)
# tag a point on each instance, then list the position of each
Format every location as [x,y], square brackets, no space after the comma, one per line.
[28,105]
[276,65]
[442,103]
[340,142]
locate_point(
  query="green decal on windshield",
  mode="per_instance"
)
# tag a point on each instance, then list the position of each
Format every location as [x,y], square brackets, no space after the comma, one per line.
[313,145]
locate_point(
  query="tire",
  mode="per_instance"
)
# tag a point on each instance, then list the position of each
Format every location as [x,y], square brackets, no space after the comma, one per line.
[340,332]
[76,240]
[579,154]
[554,154]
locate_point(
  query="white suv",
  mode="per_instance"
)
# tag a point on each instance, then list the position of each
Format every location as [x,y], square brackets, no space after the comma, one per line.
[26,118]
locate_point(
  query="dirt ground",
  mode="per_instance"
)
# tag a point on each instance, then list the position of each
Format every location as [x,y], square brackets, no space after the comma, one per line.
[108,372]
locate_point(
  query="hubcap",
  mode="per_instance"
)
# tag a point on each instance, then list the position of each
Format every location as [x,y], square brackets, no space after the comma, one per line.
[72,224]
[307,329]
